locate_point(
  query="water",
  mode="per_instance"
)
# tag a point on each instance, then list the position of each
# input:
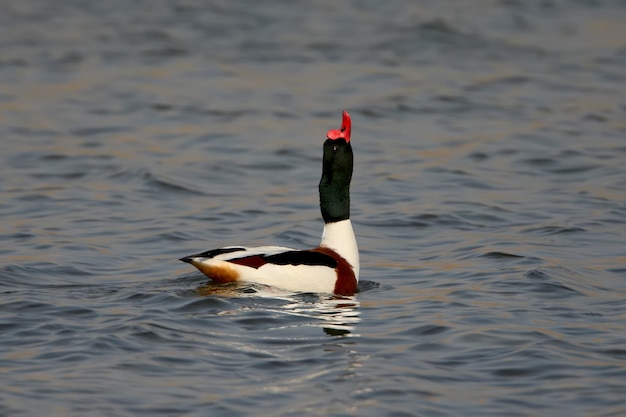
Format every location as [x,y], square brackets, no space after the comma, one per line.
[489,200]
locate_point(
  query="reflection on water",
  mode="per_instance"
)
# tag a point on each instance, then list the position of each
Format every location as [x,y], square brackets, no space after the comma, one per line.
[336,315]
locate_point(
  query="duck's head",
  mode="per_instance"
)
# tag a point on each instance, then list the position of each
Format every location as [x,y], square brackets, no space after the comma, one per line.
[334,186]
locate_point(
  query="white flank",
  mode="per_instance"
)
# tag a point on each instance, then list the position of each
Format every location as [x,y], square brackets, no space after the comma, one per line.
[297,278]
[339,237]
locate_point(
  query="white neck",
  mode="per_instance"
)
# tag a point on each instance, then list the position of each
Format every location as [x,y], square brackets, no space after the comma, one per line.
[339,237]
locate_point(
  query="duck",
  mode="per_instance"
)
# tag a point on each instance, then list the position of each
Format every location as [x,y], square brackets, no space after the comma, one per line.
[332,267]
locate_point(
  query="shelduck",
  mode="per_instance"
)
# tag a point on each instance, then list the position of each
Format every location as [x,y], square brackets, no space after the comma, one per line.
[332,267]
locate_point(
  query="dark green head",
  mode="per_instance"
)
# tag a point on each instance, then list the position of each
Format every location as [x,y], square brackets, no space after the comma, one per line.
[336,173]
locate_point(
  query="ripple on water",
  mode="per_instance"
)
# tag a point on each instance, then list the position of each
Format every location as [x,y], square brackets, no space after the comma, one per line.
[48,275]
[148,181]
[554,230]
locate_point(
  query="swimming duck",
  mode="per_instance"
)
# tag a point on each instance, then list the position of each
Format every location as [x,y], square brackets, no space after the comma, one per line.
[332,267]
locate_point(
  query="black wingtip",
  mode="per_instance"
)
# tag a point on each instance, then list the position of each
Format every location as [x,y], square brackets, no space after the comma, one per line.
[187,259]
[211,253]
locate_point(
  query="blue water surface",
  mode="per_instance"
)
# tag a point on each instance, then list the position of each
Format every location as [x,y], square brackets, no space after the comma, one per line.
[488,198]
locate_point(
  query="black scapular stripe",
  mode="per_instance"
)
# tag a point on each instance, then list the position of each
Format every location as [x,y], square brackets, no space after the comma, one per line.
[296,257]
[220,251]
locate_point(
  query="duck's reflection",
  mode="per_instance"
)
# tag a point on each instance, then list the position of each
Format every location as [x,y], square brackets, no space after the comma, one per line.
[336,315]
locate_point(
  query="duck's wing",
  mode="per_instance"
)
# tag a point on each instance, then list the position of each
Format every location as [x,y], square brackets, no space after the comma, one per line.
[228,253]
